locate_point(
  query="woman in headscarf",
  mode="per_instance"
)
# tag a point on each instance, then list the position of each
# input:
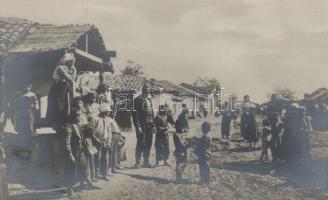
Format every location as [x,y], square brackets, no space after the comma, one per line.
[61,92]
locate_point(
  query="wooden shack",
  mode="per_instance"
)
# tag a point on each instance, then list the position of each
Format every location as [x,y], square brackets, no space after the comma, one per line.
[31,51]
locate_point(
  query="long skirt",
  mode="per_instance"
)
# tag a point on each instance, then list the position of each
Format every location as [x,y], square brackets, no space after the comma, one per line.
[59,99]
[162,146]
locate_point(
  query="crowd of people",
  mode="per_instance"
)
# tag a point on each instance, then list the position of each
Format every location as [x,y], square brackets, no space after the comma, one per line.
[285,127]
[94,145]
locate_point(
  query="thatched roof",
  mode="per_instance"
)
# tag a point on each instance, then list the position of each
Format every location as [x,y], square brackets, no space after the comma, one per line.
[117,83]
[12,30]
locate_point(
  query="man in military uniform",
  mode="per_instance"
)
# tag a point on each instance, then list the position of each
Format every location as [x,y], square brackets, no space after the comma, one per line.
[143,120]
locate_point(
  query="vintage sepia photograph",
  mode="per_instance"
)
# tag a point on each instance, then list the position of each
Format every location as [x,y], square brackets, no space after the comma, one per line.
[163,100]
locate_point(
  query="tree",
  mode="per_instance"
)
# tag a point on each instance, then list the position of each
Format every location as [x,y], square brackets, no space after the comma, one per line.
[285,93]
[132,69]
[214,83]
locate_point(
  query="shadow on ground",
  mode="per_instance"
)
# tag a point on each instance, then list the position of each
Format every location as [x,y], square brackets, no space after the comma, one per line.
[43,195]
[299,175]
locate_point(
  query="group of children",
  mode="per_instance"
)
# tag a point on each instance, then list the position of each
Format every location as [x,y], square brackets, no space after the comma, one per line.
[93,140]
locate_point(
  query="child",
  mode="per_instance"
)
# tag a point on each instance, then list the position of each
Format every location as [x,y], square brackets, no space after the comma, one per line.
[116,142]
[181,145]
[104,136]
[162,136]
[204,153]
[266,139]
[90,150]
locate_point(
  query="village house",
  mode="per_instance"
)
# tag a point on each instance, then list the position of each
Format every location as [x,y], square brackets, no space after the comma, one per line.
[122,88]
[206,98]
[30,51]
[166,92]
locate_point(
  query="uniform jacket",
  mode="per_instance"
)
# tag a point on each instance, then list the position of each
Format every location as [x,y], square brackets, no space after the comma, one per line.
[143,113]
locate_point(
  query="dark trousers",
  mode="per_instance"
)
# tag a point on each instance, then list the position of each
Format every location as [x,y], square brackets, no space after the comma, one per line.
[115,150]
[144,144]
[204,171]
[102,161]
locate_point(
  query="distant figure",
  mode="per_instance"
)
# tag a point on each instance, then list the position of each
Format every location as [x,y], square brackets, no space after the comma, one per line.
[248,126]
[162,136]
[143,120]
[27,106]
[204,153]
[61,92]
[303,130]
[182,124]
[227,116]
[180,153]
[266,139]
[277,131]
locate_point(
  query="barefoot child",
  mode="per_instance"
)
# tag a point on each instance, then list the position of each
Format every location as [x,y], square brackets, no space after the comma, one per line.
[204,153]
[266,139]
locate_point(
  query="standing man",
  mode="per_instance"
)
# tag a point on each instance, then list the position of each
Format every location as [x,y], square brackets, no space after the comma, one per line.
[143,120]
[245,108]
[227,116]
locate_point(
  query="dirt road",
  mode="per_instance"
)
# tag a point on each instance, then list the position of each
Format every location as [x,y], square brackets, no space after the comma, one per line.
[236,174]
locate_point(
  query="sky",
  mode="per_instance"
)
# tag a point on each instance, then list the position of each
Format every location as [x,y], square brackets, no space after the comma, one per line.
[251,46]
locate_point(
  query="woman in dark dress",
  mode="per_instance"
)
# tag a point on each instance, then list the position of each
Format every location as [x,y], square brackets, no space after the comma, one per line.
[61,92]
[227,116]
[250,127]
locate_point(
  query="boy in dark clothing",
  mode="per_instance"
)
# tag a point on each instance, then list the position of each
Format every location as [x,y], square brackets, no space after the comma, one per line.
[162,136]
[89,142]
[204,153]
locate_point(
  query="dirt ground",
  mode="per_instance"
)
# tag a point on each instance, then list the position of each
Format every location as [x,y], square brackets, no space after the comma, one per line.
[236,174]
